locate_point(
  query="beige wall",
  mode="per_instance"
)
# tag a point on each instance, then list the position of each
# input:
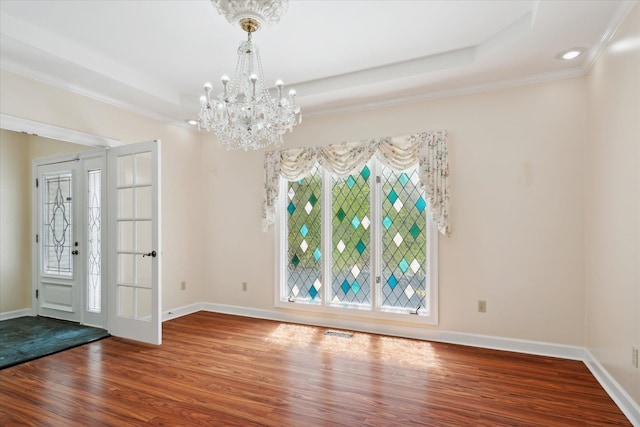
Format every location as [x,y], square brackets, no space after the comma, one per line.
[15,224]
[612,206]
[182,192]
[517,209]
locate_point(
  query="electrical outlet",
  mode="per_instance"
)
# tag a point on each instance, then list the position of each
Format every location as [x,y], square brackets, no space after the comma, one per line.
[183,285]
[634,357]
[482,306]
[244,286]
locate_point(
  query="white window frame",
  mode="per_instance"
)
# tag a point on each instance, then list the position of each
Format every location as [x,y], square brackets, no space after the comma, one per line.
[426,315]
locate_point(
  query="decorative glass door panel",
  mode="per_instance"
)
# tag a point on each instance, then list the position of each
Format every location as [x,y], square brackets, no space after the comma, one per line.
[94,241]
[59,275]
[58,224]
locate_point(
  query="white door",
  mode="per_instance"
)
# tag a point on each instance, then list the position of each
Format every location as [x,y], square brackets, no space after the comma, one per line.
[59,237]
[134,242]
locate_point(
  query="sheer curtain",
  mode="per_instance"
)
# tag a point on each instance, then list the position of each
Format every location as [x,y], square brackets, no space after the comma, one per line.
[428,149]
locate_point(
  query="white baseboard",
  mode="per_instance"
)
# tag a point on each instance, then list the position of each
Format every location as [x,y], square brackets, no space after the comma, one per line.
[626,404]
[617,393]
[17,313]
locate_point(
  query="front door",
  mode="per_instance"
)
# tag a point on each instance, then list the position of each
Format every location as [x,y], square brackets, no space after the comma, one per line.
[59,234]
[134,242]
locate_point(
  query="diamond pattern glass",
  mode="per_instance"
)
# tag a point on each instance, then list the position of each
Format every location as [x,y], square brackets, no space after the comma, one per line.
[304,278]
[351,269]
[403,240]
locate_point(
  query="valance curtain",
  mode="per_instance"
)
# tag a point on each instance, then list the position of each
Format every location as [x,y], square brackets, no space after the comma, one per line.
[428,149]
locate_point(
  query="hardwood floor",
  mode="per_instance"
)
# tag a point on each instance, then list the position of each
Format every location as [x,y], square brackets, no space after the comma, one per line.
[221,370]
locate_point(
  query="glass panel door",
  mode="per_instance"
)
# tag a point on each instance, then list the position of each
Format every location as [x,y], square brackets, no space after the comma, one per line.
[135,242]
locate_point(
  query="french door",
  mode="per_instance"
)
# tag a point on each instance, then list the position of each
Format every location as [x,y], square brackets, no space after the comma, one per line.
[134,242]
[98,240]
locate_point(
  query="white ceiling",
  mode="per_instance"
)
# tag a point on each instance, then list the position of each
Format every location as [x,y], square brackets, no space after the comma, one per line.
[153,56]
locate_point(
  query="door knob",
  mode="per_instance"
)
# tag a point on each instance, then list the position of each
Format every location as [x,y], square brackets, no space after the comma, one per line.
[151,254]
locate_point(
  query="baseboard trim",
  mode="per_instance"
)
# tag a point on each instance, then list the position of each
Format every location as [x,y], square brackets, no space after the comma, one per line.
[617,393]
[16,313]
[626,404]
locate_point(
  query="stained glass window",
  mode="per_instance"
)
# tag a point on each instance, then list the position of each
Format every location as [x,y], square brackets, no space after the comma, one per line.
[351,266]
[304,251]
[403,282]
[377,230]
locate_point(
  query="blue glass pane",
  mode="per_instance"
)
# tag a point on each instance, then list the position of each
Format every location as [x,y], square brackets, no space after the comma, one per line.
[355,221]
[420,204]
[291,208]
[360,247]
[351,182]
[355,287]
[387,222]
[304,230]
[316,254]
[345,286]
[313,292]
[404,265]
[404,178]
[392,281]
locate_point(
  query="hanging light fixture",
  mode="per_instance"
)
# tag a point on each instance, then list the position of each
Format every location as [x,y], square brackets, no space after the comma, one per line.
[244,115]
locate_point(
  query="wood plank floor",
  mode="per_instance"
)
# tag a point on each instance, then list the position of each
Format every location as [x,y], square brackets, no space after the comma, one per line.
[221,370]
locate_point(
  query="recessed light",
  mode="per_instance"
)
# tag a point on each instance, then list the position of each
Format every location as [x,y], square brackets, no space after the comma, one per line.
[570,54]
[192,122]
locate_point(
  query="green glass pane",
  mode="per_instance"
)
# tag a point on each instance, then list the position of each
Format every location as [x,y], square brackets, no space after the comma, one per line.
[393,196]
[415,231]
[313,199]
[340,215]
[295,260]
[365,172]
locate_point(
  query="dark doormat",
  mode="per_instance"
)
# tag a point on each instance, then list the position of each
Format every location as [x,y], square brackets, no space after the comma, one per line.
[27,338]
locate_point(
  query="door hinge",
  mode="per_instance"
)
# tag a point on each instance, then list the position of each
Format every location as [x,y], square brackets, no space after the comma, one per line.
[37,293]
[37,183]
[378,180]
[37,238]
[377,279]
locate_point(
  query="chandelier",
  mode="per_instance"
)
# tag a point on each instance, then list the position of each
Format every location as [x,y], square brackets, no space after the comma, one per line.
[244,115]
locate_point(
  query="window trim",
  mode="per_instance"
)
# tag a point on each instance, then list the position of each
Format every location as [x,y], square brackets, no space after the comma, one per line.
[325,307]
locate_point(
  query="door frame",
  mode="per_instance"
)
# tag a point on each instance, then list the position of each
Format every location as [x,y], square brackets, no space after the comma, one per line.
[80,301]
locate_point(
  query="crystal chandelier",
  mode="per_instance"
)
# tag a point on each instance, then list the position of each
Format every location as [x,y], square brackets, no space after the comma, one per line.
[245,115]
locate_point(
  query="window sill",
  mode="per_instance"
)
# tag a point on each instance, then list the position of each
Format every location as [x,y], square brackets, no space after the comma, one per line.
[364,313]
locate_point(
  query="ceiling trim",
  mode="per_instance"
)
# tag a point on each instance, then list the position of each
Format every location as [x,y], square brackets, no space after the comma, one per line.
[31,127]
[450,93]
